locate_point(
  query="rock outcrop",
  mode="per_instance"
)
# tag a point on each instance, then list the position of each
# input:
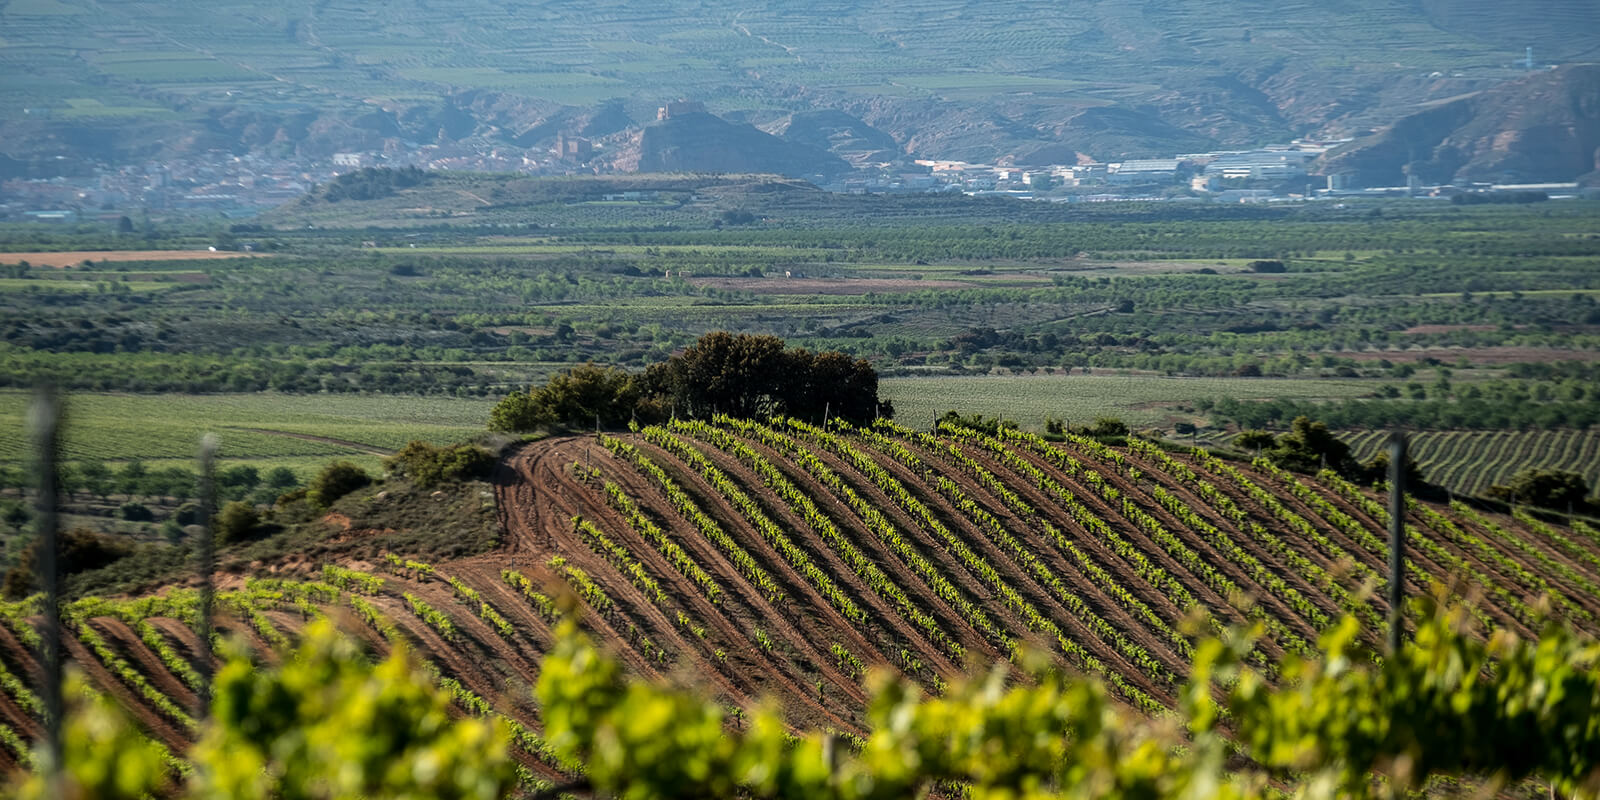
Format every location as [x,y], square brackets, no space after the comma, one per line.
[703,142]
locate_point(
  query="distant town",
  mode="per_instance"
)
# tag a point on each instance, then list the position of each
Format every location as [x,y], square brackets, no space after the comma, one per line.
[1274,173]
[225,185]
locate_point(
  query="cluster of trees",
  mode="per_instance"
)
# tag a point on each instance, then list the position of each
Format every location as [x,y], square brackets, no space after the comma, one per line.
[192,374]
[1487,198]
[1438,414]
[288,325]
[739,374]
[1547,488]
[136,481]
[1309,446]
[81,550]
[428,466]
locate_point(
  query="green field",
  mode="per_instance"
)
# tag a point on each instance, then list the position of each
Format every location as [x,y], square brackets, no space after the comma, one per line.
[1140,401]
[265,429]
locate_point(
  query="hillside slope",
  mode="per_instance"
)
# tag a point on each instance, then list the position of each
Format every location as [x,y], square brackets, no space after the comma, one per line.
[1545,127]
[782,560]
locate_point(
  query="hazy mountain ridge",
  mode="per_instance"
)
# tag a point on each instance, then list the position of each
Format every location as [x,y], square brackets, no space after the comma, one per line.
[982,81]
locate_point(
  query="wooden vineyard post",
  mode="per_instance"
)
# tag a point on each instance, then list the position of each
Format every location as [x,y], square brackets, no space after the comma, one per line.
[1397,537]
[45,421]
[205,564]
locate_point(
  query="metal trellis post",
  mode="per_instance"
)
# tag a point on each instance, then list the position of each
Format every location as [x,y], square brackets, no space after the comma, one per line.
[1397,537]
[205,564]
[45,421]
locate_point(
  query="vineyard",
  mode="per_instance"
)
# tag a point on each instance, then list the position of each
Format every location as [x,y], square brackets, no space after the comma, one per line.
[785,560]
[1469,462]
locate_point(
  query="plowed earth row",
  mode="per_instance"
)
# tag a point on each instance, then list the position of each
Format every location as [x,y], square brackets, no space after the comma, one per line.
[743,646]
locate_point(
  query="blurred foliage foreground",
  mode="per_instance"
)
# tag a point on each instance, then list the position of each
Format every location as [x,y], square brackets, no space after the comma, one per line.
[1493,711]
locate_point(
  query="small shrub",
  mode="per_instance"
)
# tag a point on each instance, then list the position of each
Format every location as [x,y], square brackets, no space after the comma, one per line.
[335,481]
[281,478]
[1108,426]
[81,550]
[236,521]
[428,466]
[187,514]
[979,423]
[15,514]
[136,512]
[1255,440]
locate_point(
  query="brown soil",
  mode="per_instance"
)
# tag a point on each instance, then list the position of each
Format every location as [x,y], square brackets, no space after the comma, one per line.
[154,723]
[21,663]
[1554,581]
[980,649]
[1038,543]
[1275,605]
[538,508]
[1017,578]
[870,645]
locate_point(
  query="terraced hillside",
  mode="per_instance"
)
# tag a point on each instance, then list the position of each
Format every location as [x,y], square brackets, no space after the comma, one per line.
[784,560]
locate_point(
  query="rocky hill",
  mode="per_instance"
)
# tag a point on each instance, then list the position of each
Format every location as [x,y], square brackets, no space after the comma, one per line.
[1542,128]
[703,142]
[839,133]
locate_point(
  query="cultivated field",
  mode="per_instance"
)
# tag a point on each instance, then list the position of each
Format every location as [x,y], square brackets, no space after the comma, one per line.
[1469,462]
[73,258]
[1139,400]
[782,560]
[266,430]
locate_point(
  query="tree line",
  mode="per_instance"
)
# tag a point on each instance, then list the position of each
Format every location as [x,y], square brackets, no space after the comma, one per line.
[1435,414]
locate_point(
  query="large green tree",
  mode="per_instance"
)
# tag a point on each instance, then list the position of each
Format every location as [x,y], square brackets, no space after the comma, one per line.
[738,374]
[741,375]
